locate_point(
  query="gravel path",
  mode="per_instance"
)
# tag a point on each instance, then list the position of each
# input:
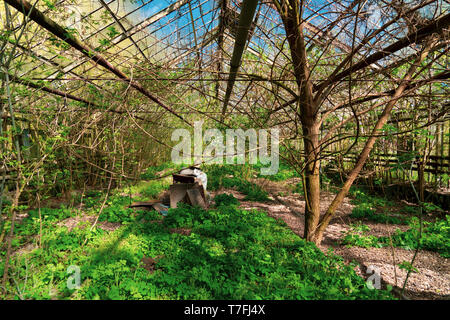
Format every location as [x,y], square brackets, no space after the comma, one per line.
[431,282]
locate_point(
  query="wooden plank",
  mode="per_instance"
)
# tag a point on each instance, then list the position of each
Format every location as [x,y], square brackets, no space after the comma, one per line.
[178,193]
[195,198]
[37,16]
[183,178]
[143,204]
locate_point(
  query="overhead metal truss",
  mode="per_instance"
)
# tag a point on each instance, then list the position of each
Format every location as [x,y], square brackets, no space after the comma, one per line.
[193,38]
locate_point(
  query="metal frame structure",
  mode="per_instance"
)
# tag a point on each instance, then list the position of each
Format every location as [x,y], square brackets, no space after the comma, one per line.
[182,33]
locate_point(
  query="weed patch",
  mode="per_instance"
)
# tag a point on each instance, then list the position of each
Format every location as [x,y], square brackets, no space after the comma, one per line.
[228,253]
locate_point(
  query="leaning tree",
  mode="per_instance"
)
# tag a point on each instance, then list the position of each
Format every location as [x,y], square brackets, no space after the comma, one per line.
[357,50]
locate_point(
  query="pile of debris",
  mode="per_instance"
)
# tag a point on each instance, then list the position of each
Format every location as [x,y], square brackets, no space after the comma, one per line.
[189,186]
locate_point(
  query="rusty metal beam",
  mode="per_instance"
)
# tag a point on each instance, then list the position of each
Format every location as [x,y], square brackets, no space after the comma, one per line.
[245,21]
[52,63]
[40,43]
[124,30]
[50,25]
[63,94]
[132,31]
[42,87]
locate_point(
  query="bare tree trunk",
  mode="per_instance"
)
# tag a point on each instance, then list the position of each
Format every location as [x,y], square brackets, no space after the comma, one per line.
[312,179]
[290,12]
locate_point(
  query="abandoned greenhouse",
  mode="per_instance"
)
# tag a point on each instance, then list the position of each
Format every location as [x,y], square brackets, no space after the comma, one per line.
[224,150]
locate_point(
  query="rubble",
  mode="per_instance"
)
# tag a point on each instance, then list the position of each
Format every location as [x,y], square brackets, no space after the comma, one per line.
[189,186]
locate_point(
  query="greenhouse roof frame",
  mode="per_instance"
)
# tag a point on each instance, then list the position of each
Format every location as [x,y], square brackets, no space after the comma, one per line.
[182,52]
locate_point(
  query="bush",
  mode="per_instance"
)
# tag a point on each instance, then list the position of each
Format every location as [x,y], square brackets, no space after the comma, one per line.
[362,196]
[365,208]
[151,172]
[355,236]
[284,172]
[179,217]
[435,236]
[226,200]
[232,177]
[252,191]
[365,211]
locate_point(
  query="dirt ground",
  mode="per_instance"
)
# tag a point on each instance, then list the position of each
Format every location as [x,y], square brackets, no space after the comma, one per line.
[431,282]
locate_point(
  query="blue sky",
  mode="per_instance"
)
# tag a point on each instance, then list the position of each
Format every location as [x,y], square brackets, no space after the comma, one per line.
[184,21]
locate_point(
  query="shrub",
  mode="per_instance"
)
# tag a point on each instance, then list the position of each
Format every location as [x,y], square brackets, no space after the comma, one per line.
[435,236]
[365,211]
[355,236]
[226,199]
[231,176]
